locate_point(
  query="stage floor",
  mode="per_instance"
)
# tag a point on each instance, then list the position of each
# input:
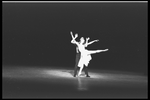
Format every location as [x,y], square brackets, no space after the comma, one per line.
[58,82]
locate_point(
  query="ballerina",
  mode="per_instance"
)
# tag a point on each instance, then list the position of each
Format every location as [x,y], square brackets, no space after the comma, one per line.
[85,54]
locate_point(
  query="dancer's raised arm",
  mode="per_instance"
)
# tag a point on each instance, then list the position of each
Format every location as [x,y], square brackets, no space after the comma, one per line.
[72,35]
[86,44]
[93,42]
[73,38]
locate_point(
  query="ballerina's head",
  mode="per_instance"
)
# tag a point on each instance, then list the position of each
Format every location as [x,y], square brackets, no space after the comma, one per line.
[82,40]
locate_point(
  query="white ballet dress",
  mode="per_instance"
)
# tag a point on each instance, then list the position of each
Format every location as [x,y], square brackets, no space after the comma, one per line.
[84,59]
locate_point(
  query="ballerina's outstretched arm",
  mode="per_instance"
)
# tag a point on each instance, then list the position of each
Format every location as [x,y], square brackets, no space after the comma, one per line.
[93,42]
[87,39]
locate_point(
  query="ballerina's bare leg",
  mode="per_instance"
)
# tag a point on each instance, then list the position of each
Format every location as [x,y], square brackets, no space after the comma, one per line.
[81,68]
[96,51]
[90,52]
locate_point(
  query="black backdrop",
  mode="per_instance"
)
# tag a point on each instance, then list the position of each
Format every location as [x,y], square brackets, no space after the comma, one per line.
[39,34]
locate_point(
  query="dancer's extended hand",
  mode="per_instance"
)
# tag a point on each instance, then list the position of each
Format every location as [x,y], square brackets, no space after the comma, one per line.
[73,37]
[87,38]
[76,35]
[71,34]
[96,40]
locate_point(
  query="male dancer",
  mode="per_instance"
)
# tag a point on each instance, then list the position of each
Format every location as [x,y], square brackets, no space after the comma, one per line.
[78,54]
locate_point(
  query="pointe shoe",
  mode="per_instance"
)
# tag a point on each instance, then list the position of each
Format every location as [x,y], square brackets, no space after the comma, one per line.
[78,75]
[106,50]
[98,51]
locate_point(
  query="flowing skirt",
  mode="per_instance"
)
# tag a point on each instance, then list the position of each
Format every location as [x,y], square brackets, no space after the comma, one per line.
[84,60]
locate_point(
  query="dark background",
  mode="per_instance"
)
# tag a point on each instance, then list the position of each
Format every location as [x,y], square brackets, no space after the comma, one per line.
[39,34]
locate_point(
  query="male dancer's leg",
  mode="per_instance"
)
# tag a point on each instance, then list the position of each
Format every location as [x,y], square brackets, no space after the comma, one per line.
[86,71]
[76,64]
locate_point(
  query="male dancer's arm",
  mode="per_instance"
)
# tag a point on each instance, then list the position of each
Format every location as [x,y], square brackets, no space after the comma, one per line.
[73,39]
[77,49]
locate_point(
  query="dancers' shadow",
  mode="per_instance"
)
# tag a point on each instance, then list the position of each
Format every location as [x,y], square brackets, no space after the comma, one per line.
[82,84]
